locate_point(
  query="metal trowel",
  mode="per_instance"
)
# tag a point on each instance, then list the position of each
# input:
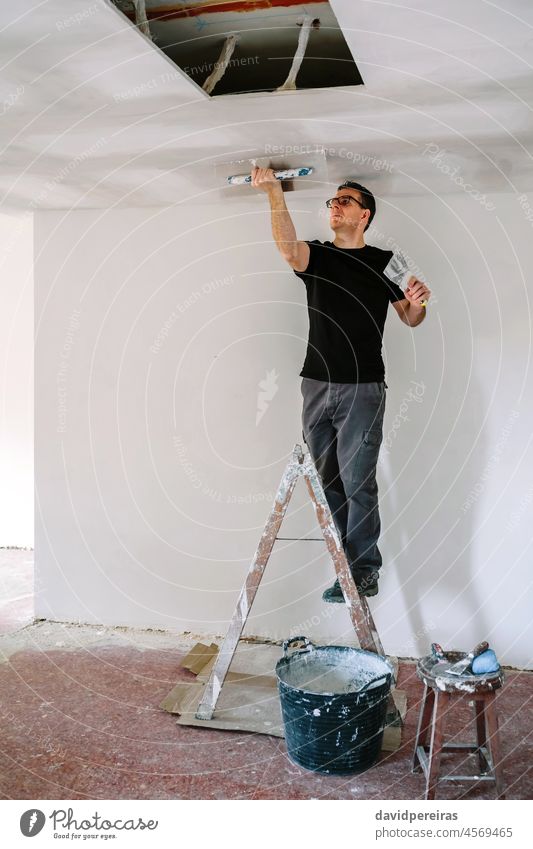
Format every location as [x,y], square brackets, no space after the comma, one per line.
[462,665]
[290,164]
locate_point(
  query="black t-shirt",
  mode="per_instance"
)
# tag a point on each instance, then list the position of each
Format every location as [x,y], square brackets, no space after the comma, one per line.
[347,300]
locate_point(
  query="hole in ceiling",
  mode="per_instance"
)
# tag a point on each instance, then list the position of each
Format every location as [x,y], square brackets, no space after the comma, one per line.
[239,47]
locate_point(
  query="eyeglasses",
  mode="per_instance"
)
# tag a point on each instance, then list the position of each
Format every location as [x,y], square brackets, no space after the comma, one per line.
[344,200]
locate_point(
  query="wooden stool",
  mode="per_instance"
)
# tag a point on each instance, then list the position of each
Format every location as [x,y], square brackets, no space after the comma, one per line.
[439,693]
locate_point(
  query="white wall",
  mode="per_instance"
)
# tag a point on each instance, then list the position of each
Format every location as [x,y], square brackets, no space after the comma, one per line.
[154,479]
[16,380]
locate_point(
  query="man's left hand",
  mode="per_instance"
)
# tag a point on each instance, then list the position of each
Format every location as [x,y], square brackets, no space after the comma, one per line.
[417,293]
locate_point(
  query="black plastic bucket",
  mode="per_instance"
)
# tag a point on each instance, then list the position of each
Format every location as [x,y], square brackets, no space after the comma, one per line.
[333,703]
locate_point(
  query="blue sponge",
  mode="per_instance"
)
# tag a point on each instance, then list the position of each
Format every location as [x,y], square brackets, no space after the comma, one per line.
[485,662]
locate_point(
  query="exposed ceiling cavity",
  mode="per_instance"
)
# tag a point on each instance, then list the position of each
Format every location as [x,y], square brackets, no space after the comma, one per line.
[245,46]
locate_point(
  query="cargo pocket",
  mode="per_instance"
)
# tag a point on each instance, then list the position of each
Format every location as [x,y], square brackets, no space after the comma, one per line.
[373,436]
[364,469]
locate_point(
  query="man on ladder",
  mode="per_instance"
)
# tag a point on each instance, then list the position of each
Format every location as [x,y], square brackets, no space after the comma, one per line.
[343,376]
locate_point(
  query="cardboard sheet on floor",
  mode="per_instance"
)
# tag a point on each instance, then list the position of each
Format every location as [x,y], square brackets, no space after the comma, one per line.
[249,699]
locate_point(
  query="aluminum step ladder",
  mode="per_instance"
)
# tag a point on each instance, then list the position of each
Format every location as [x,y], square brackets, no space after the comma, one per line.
[299,465]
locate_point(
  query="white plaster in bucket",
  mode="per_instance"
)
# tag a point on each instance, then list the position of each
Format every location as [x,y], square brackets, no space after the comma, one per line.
[329,672]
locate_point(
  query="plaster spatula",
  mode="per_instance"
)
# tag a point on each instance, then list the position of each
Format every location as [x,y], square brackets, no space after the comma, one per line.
[462,665]
[398,271]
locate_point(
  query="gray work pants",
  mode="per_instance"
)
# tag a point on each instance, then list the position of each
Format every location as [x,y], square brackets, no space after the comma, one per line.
[343,428]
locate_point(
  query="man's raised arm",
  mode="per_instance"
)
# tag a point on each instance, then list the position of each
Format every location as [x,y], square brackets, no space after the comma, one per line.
[293,251]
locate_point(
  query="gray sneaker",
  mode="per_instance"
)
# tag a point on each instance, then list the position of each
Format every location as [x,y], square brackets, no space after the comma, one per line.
[367,586]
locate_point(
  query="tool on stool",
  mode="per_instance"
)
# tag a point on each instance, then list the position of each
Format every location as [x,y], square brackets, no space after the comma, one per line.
[437,651]
[461,666]
[485,663]
[441,693]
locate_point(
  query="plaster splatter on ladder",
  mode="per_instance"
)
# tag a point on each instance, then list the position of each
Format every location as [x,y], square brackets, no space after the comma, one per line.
[292,470]
[243,606]
[303,38]
[217,686]
[221,64]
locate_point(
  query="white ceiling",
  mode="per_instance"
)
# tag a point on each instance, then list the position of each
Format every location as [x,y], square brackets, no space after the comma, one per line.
[94,115]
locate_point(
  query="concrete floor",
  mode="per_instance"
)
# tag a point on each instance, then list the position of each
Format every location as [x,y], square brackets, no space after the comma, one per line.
[79,719]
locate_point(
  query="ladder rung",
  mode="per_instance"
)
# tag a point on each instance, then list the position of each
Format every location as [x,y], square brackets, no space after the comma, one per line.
[303,539]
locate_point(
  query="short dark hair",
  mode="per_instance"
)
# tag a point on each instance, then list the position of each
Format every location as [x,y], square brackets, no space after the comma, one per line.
[367,198]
